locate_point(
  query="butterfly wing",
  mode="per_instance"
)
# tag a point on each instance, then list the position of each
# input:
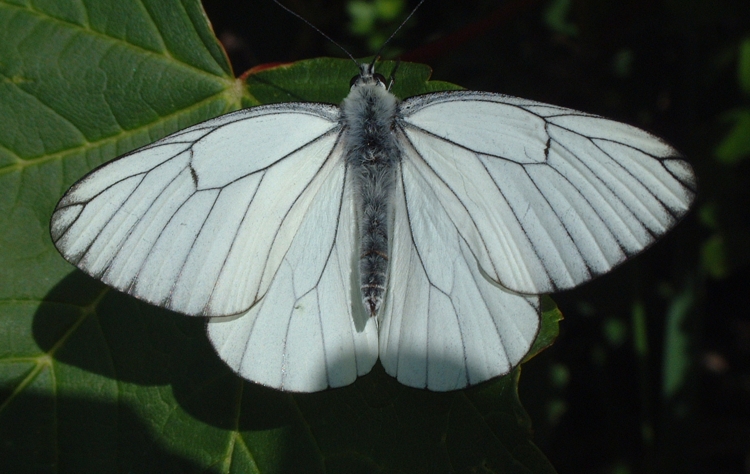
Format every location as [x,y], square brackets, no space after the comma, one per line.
[445,325]
[199,222]
[310,330]
[544,197]
[247,215]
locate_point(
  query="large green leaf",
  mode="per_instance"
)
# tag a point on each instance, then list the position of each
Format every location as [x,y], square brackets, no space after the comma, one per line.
[91,380]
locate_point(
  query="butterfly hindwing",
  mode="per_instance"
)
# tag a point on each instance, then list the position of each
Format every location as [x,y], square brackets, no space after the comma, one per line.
[309,331]
[445,325]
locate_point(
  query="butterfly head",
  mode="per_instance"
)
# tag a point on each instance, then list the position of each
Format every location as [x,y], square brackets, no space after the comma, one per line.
[367,77]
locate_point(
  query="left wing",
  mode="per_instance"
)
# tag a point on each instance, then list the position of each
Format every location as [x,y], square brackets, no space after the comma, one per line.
[544,197]
[197,222]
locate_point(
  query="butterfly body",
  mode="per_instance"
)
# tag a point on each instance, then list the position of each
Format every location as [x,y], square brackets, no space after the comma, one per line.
[372,154]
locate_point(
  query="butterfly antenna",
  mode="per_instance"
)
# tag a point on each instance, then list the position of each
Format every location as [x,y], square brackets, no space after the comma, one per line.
[321,31]
[392,77]
[397,29]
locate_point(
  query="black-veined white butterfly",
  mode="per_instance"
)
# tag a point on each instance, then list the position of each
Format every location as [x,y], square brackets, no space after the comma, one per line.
[421,232]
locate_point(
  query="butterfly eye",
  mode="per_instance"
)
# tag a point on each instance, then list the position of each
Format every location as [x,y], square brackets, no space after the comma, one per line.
[353,81]
[380,78]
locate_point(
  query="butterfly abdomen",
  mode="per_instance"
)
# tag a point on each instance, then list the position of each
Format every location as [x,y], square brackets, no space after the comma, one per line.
[368,114]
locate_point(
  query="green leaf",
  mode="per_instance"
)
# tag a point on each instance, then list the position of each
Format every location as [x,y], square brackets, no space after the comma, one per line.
[743,66]
[678,358]
[735,146]
[714,257]
[92,380]
[556,18]
[328,80]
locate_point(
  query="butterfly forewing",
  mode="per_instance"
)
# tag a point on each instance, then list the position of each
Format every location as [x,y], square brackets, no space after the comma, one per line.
[170,228]
[567,198]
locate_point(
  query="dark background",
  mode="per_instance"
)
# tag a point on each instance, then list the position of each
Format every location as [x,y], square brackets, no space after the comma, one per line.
[651,372]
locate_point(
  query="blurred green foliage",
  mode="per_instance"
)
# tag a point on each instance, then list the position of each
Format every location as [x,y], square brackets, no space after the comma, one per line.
[373,20]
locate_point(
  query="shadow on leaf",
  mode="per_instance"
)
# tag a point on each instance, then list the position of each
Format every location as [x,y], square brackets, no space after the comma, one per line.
[154,371]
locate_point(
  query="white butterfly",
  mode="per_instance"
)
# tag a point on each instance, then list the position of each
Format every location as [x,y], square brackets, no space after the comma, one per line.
[419,232]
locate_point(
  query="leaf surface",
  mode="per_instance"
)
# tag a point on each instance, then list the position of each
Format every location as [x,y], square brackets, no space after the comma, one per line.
[92,380]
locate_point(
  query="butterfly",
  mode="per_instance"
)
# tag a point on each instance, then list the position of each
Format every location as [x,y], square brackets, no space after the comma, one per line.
[319,239]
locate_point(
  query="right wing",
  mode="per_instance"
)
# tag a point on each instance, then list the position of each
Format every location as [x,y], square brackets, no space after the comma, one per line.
[199,222]
[546,197]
